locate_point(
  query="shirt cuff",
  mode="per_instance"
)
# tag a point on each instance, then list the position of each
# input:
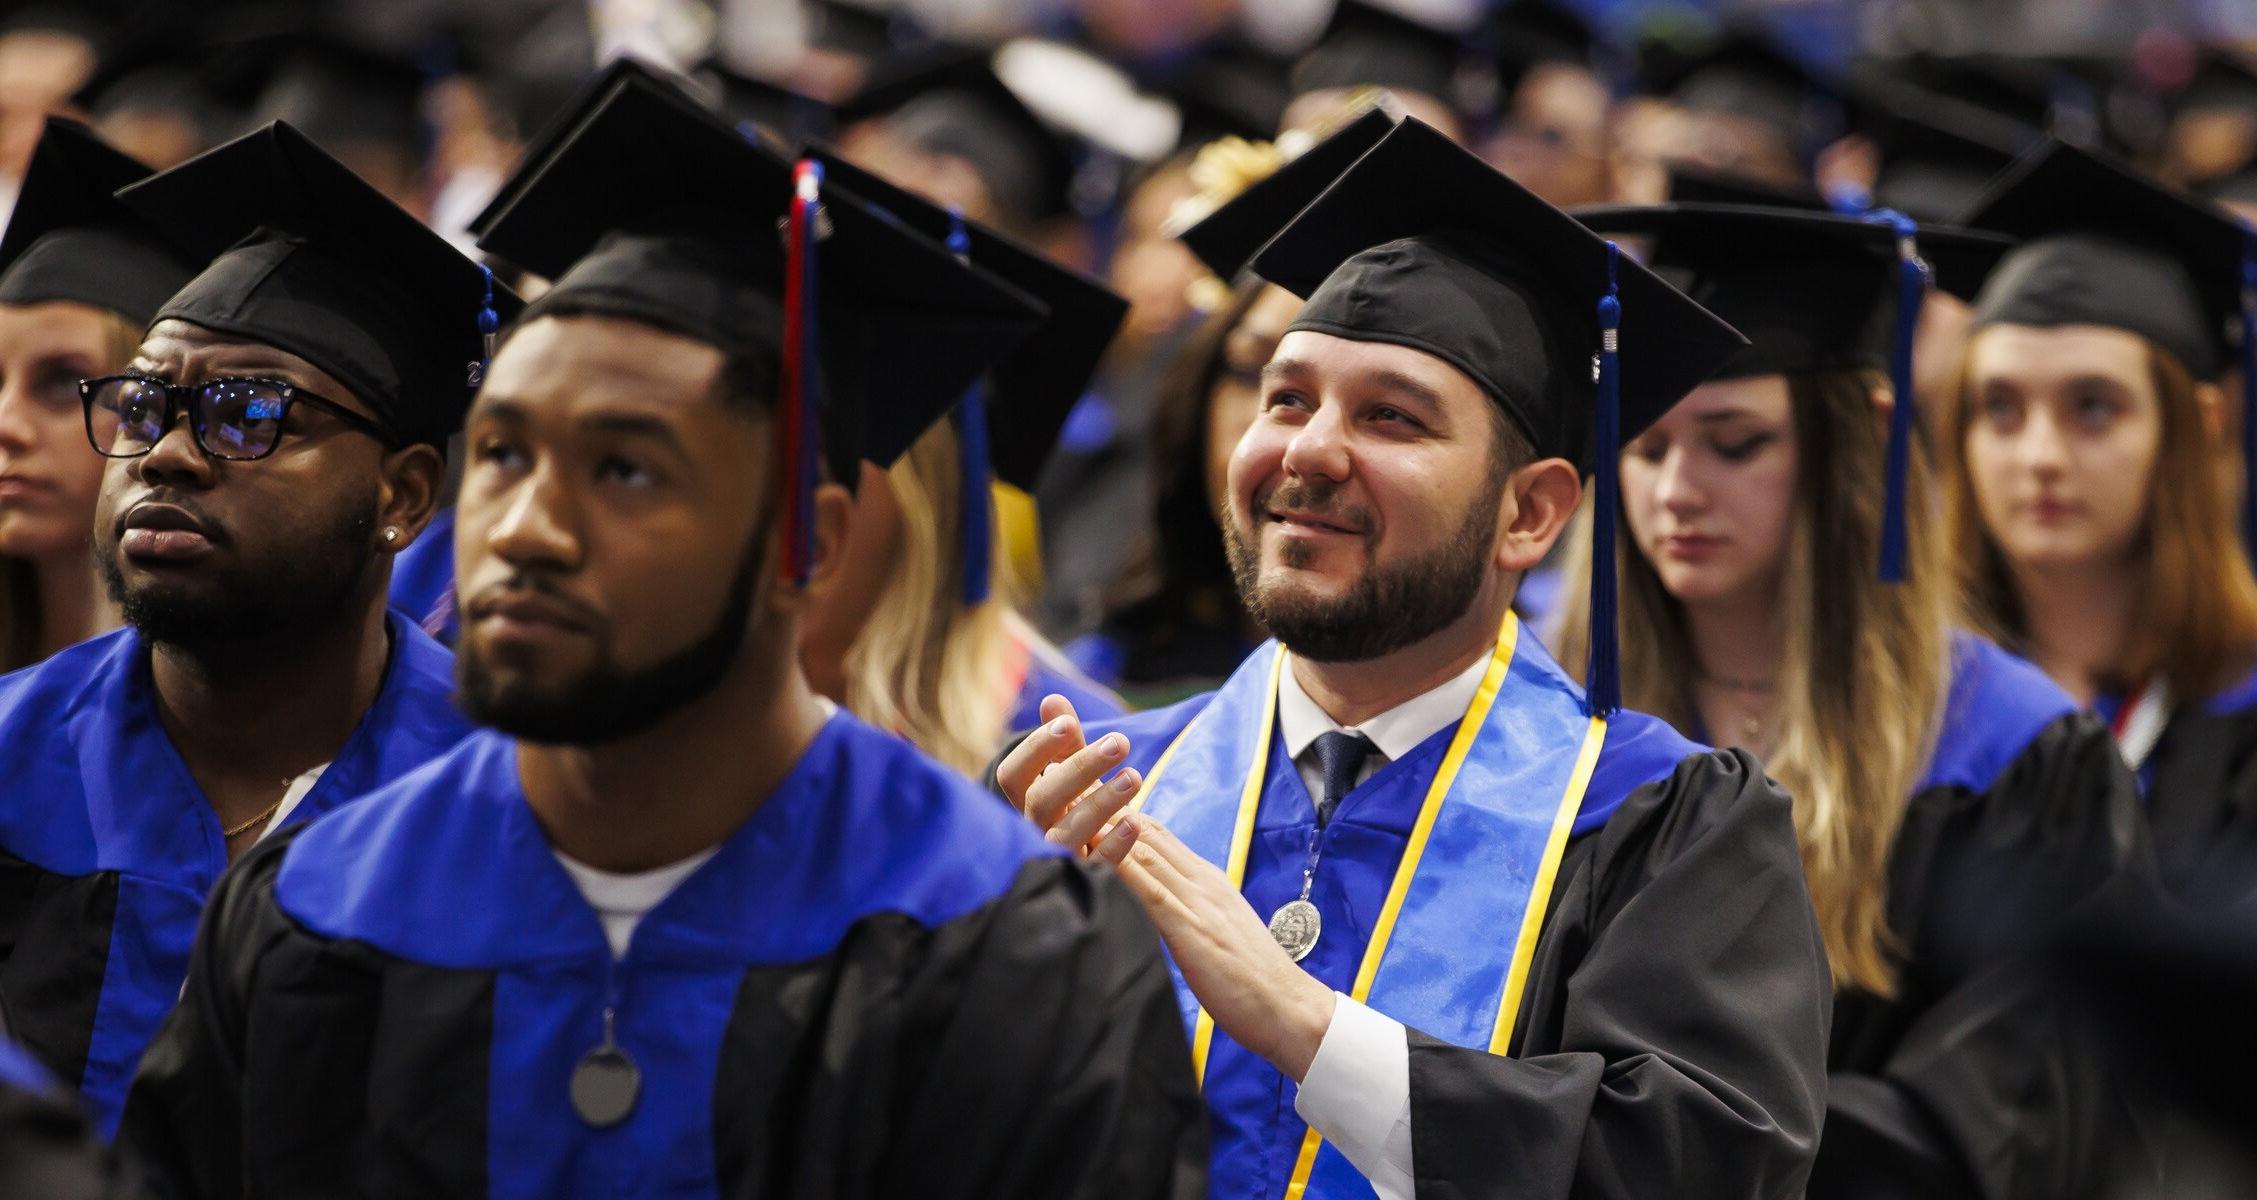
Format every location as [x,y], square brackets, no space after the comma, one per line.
[1358,1095]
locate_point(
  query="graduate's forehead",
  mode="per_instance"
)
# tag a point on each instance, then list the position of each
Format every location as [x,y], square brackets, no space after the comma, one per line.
[570,366]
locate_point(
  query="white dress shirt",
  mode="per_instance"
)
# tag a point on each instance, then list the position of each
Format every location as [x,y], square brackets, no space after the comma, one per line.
[1358,1090]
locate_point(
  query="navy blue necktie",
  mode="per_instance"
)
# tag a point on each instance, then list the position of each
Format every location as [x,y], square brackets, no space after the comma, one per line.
[1341,757]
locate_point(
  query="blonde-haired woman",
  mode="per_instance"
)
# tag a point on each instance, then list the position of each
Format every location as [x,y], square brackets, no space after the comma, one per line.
[79,278]
[1950,801]
[2090,530]
[915,632]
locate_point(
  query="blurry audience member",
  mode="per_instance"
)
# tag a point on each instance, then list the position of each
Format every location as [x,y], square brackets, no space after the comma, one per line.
[47,52]
[2213,128]
[1738,105]
[80,276]
[2091,532]
[1556,109]
[1367,46]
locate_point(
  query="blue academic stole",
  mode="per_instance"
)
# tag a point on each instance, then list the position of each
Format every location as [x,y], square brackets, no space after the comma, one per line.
[1489,835]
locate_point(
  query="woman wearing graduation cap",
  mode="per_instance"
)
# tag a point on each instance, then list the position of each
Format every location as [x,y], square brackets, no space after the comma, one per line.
[80,276]
[1951,802]
[1444,922]
[2092,530]
[911,634]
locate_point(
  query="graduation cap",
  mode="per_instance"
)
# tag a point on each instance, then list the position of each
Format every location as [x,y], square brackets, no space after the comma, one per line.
[860,31]
[69,239]
[1232,90]
[949,100]
[1369,46]
[1227,238]
[340,92]
[1744,73]
[1814,291]
[2221,80]
[1521,35]
[1938,152]
[1419,243]
[1008,424]
[646,205]
[308,258]
[791,116]
[2106,246]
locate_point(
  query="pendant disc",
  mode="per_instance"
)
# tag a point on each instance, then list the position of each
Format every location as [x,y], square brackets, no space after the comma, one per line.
[1296,925]
[605,1086]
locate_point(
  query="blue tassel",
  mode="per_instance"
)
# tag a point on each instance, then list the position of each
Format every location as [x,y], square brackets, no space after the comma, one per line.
[971,437]
[2249,387]
[810,184]
[489,327]
[1912,291]
[1849,199]
[1603,688]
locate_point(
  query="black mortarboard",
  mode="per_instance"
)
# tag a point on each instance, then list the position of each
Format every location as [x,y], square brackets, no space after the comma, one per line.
[1228,91]
[1227,238]
[339,93]
[860,31]
[312,260]
[2107,246]
[1744,73]
[1009,424]
[1938,153]
[1029,392]
[69,239]
[2104,245]
[791,116]
[1521,35]
[646,205]
[1369,46]
[949,100]
[1813,291]
[2221,79]
[1421,244]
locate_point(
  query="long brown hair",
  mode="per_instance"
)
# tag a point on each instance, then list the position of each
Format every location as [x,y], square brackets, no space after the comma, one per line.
[2196,620]
[1866,672]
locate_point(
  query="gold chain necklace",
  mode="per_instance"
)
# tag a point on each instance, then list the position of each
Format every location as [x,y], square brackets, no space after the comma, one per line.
[238,831]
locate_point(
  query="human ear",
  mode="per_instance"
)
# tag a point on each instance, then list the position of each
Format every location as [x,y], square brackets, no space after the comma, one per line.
[407,494]
[1536,504]
[833,517]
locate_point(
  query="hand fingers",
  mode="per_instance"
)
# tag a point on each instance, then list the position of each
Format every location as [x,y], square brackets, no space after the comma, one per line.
[1116,844]
[1057,737]
[1094,811]
[1064,782]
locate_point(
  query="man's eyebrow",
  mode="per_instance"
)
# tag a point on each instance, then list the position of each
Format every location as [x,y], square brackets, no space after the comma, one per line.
[1396,381]
[1279,368]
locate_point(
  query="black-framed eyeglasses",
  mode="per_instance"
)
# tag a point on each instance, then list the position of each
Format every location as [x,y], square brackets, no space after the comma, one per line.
[235,416]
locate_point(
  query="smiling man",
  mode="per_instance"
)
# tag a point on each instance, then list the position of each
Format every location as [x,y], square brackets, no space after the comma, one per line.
[1444,925]
[672,925]
[271,446]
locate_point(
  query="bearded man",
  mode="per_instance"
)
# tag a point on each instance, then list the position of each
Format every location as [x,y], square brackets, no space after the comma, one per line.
[1442,923]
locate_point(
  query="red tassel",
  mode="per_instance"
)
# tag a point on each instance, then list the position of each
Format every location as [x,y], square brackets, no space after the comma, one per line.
[791,458]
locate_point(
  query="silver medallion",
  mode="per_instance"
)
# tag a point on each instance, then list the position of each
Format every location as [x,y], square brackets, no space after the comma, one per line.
[605,1086]
[1296,925]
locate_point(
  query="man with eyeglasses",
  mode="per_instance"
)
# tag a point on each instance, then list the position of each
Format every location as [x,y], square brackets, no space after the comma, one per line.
[274,442]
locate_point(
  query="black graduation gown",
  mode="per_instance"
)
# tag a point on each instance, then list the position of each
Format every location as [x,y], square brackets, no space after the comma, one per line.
[1677,954]
[48,1148]
[2202,800]
[1976,1078]
[883,984]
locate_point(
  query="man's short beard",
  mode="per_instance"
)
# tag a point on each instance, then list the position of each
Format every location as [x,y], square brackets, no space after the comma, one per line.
[1389,607]
[305,587]
[609,702]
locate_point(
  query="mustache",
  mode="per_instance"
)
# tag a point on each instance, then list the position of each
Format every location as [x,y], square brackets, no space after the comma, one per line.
[173,498]
[1320,499]
[525,582]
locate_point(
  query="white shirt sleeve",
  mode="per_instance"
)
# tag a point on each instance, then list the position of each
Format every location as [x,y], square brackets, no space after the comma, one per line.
[1358,1095]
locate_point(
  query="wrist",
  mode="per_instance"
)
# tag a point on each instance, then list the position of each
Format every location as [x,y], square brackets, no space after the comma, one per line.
[1304,1017]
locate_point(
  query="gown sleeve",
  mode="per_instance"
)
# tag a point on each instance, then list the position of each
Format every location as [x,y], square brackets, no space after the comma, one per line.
[48,1147]
[2202,806]
[1057,1065]
[1978,1079]
[183,1116]
[1672,1040]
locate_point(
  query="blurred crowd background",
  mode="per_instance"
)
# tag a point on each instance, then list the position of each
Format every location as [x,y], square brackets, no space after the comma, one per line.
[1096,129]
